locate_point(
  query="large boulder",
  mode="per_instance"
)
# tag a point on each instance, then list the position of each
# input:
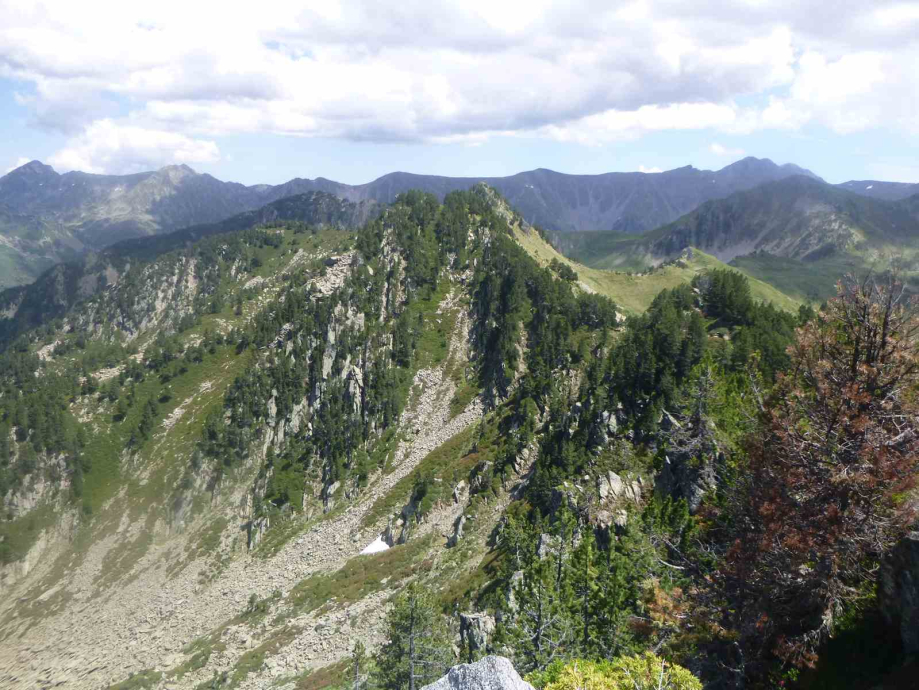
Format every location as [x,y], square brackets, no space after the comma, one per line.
[900,591]
[490,673]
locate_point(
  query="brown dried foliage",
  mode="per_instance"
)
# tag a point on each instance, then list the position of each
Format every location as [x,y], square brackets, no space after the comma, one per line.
[830,470]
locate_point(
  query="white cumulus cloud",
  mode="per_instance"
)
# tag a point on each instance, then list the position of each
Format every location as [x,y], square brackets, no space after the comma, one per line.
[623,125]
[720,150]
[22,160]
[109,147]
[654,169]
[581,71]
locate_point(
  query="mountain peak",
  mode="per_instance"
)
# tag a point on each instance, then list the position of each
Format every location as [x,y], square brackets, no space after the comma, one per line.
[33,169]
[175,173]
[798,170]
[753,165]
[179,169]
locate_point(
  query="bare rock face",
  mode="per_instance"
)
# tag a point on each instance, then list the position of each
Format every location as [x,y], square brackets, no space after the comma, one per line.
[476,630]
[611,488]
[257,529]
[458,528]
[547,545]
[514,583]
[490,673]
[900,592]
[461,492]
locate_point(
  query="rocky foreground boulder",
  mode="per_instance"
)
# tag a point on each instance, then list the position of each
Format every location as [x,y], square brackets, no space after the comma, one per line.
[490,673]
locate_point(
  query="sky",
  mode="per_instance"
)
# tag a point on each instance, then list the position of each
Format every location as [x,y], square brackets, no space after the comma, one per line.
[261,92]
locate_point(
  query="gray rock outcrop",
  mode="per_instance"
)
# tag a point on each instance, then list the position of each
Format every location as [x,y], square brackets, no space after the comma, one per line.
[611,488]
[692,456]
[490,673]
[458,528]
[476,630]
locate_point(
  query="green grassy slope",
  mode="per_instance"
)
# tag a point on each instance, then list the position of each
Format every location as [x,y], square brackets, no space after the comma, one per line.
[813,282]
[603,249]
[634,292]
[17,268]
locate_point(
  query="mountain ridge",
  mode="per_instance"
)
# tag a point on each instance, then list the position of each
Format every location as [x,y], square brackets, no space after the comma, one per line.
[632,202]
[48,218]
[822,230]
[878,189]
[78,212]
[65,284]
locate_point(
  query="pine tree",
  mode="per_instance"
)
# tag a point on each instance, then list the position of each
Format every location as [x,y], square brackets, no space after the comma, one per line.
[541,628]
[358,670]
[417,651]
[515,540]
[614,601]
[4,444]
[121,409]
[582,588]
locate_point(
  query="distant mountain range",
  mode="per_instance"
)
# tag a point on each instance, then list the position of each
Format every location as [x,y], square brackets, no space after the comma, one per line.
[889,191]
[47,218]
[796,218]
[630,202]
[796,232]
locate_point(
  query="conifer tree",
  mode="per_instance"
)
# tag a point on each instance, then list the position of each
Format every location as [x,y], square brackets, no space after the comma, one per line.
[358,670]
[582,590]
[417,651]
[540,629]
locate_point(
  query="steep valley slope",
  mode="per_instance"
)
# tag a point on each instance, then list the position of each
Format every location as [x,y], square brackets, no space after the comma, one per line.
[197,452]
[60,288]
[148,560]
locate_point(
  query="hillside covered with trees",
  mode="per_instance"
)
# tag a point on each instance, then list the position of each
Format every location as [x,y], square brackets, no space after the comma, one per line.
[197,459]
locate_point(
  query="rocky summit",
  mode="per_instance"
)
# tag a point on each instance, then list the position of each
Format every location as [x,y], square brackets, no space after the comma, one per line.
[489,673]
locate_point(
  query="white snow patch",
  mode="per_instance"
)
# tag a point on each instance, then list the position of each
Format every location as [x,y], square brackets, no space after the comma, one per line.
[376,546]
[870,186]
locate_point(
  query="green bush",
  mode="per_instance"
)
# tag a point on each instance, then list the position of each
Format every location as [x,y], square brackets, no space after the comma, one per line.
[640,672]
